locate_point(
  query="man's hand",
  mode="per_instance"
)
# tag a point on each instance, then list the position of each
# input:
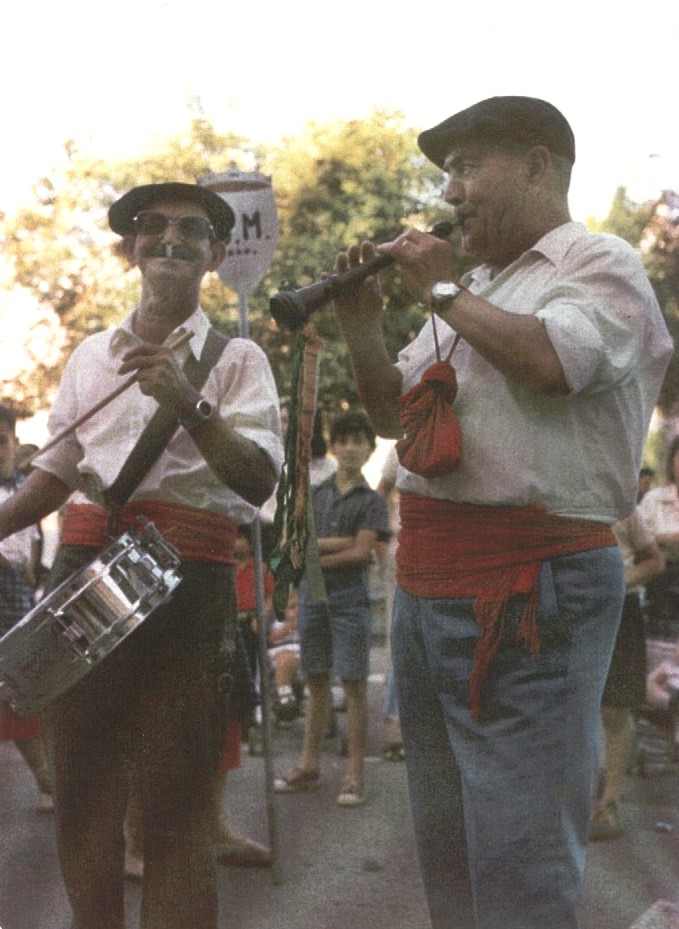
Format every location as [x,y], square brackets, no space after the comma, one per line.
[364,301]
[160,376]
[423,259]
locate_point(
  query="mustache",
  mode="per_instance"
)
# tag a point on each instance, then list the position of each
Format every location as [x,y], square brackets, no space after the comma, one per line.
[168,251]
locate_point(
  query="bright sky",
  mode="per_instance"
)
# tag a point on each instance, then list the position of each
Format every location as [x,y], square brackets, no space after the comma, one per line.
[112,76]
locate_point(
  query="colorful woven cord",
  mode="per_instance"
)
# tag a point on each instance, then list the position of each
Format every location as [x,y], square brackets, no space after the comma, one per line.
[293,524]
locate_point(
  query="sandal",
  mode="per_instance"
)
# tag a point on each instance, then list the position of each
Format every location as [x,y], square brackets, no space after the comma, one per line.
[297,781]
[351,793]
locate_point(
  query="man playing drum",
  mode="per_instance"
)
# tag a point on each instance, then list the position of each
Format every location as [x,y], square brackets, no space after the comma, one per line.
[151,705]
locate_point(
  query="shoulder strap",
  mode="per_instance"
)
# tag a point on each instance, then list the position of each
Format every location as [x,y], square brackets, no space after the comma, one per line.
[162,425]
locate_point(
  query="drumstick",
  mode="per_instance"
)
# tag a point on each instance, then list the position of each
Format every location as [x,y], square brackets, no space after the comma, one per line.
[182,340]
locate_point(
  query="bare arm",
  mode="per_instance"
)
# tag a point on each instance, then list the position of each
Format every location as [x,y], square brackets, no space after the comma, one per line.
[516,344]
[358,554]
[238,462]
[39,495]
[650,562]
[331,545]
[359,316]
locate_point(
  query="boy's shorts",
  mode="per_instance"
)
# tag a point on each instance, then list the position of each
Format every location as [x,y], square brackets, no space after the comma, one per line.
[335,636]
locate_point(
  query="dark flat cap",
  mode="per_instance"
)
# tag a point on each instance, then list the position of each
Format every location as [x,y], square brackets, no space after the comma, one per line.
[501,119]
[121,214]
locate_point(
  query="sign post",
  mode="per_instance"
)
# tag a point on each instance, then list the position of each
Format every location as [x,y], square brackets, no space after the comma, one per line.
[248,257]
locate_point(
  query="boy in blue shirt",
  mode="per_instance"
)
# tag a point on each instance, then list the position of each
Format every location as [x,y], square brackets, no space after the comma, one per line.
[350,518]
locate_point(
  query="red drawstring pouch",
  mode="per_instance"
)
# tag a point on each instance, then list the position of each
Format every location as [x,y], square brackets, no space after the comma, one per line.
[432,443]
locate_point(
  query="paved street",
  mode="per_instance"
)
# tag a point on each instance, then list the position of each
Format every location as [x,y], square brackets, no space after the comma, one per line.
[339,868]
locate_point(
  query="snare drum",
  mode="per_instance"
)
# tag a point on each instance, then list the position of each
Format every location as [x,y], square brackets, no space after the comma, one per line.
[80,622]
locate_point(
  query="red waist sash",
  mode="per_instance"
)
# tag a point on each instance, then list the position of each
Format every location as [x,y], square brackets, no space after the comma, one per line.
[198,535]
[452,550]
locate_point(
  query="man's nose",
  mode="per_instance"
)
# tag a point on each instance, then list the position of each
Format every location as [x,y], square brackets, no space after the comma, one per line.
[454,192]
[171,234]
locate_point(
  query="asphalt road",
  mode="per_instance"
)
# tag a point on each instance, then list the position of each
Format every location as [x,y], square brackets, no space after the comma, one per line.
[338,868]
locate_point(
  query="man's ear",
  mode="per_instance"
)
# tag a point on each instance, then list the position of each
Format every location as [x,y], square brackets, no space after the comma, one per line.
[218,255]
[125,248]
[538,160]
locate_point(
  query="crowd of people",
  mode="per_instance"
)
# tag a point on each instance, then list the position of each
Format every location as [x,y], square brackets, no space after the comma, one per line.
[519,544]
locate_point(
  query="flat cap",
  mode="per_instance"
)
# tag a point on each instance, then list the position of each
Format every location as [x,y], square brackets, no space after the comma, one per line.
[121,213]
[526,120]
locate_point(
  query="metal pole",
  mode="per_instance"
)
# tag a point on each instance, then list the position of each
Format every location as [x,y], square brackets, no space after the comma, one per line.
[263,656]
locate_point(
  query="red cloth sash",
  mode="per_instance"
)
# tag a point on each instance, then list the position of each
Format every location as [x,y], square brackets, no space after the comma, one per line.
[198,535]
[453,550]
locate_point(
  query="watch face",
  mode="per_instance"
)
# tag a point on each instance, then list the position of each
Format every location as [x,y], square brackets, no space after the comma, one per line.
[445,290]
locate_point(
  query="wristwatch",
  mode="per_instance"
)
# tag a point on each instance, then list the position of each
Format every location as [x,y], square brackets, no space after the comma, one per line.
[200,414]
[444,292]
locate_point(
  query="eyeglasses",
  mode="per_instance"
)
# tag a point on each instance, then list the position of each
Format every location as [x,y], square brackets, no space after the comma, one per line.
[191,228]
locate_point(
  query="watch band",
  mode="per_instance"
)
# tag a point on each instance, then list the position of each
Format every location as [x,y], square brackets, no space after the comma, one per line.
[200,414]
[444,292]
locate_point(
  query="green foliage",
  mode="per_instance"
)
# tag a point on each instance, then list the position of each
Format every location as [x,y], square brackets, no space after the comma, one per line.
[626,218]
[335,185]
[61,249]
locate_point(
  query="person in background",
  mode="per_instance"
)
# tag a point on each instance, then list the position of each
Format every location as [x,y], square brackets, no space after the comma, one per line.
[321,466]
[151,708]
[660,510]
[19,563]
[349,518]
[645,482]
[510,580]
[392,749]
[662,686]
[246,596]
[284,653]
[625,689]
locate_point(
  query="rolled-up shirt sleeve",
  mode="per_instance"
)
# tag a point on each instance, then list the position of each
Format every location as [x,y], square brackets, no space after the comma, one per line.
[596,314]
[62,459]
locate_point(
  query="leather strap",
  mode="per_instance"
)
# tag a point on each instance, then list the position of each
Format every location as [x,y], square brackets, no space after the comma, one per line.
[162,425]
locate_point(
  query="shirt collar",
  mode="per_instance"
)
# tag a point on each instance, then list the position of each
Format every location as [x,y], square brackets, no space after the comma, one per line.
[553,246]
[198,323]
[362,484]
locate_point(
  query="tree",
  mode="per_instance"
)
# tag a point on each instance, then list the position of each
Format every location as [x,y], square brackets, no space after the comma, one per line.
[63,255]
[336,184]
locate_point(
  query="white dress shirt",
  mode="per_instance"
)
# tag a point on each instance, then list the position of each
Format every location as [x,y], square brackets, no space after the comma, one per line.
[240,386]
[579,454]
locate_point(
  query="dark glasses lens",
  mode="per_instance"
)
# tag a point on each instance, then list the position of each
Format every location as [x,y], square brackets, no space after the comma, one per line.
[192,228]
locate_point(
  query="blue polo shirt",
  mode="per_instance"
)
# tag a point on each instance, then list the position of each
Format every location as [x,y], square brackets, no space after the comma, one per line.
[337,514]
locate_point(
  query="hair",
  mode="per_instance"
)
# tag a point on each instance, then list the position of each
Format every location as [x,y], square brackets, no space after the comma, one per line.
[9,417]
[319,446]
[671,452]
[352,423]
[646,472]
[561,166]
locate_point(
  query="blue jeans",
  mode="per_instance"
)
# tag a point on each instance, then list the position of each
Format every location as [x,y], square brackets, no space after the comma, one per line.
[501,804]
[335,635]
[390,707]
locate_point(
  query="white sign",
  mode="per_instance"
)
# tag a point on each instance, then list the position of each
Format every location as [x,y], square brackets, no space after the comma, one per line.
[254,237]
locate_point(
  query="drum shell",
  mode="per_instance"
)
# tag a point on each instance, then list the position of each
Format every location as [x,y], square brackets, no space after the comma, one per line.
[80,622]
